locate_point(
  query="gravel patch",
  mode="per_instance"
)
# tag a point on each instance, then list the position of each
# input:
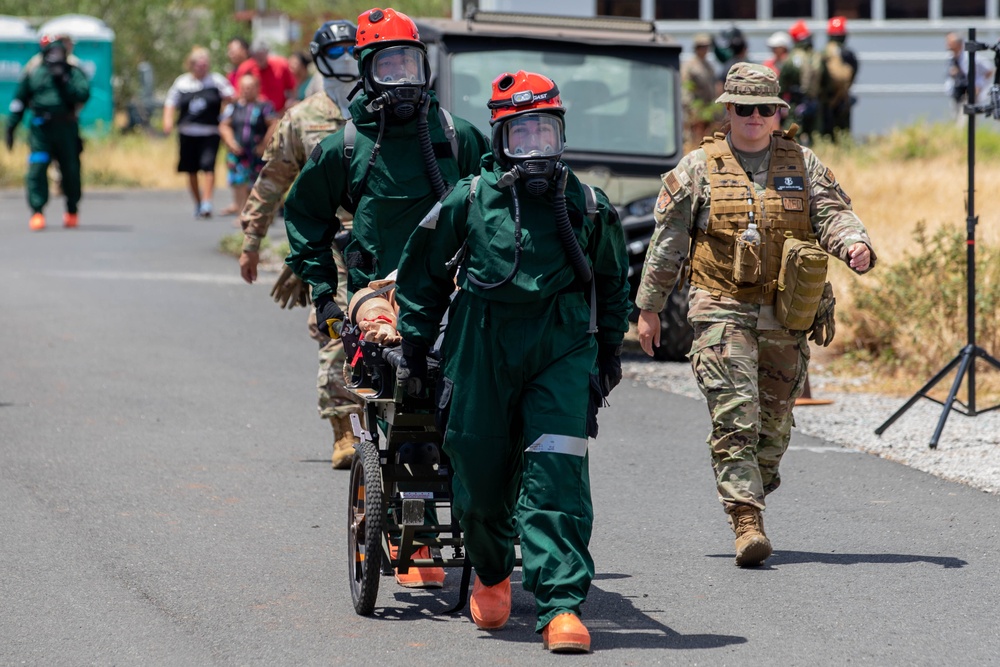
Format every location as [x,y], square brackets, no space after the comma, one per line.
[967,450]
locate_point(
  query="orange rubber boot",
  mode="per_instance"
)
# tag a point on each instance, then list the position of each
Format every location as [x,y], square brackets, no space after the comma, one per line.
[490,605]
[419,577]
[566,634]
[70,220]
[37,222]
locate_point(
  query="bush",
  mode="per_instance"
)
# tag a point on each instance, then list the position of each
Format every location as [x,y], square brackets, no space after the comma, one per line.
[913,320]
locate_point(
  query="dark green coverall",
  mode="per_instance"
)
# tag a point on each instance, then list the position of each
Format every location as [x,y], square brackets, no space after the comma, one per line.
[54,133]
[517,363]
[388,204]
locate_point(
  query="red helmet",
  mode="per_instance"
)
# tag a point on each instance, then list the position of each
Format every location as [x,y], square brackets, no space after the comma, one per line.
[385,26]
[515,94]
[799,31]
[392,61]
[527,120]
[837,26]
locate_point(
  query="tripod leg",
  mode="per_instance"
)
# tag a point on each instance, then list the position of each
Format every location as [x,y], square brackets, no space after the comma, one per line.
[967,355]
[920,393]
[980,352]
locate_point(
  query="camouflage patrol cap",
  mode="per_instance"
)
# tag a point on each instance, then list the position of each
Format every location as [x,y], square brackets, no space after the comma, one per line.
[750,83]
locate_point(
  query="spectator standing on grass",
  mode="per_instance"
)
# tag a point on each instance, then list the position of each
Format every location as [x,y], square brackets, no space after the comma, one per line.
[194,102]
[237,51]
[245,128]
[277,85]
[726,211]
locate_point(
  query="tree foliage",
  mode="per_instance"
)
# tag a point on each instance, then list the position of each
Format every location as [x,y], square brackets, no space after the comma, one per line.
[162,33]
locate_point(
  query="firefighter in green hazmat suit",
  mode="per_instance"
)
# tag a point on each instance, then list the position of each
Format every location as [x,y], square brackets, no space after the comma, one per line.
[530,351]
[53,93]
[388,166]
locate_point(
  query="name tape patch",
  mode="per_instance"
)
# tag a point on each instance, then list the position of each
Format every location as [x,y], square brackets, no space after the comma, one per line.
[789,183]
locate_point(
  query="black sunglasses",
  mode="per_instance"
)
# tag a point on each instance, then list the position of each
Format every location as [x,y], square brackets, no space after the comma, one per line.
[746,110]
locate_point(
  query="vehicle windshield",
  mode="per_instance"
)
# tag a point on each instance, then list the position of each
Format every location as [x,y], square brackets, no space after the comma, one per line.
[613,104]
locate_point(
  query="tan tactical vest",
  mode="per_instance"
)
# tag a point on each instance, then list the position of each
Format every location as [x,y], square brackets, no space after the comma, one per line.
[783,209]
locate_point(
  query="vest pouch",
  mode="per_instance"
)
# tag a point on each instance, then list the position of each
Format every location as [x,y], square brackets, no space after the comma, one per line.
[800,283]
[746,262]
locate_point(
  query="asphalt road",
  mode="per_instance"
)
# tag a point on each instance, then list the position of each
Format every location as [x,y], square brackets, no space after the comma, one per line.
[166,496]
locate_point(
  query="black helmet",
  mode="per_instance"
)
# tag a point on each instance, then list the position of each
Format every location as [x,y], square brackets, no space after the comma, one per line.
[330,62]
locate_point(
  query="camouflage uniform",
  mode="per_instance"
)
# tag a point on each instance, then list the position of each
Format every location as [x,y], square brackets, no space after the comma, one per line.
[799,78]
[698,96]
[749,368]
[297,134]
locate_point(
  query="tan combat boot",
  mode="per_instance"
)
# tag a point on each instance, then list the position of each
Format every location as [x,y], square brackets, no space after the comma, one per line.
[344,441]
[752,545]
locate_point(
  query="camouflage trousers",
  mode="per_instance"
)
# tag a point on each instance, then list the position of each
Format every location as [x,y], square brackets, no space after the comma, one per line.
[334,398]
[750,379]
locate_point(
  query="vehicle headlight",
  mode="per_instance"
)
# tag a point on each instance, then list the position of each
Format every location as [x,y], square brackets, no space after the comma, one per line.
[641,207]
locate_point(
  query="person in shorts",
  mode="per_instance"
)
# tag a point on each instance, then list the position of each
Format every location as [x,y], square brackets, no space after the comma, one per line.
[193,105]
[246,128]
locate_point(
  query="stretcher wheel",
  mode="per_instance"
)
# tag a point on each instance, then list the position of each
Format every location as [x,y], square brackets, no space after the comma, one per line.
[366,522]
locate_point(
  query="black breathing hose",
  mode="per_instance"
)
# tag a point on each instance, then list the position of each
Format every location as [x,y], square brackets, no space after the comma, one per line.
[517,248]
[565,229]
[427,150]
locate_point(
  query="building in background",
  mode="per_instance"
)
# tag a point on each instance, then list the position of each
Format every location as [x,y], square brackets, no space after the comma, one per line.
[899,43]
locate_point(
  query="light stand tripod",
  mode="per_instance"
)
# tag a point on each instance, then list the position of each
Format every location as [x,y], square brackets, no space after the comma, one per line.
[966,359]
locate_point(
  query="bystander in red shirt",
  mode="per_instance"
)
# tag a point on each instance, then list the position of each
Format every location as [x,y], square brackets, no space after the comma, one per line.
[275,77]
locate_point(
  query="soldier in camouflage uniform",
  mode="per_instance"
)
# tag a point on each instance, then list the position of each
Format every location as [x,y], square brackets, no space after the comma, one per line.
[749,367]
[799,79]
[299,132]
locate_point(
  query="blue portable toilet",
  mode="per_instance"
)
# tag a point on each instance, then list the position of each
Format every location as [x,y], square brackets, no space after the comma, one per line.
[18,42]
[93,41]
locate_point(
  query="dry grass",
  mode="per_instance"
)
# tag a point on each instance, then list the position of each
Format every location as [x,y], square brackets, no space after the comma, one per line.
[908,179]
[126,161]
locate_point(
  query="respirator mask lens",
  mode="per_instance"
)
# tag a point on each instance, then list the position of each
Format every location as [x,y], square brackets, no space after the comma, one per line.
[399,65]
[533,135]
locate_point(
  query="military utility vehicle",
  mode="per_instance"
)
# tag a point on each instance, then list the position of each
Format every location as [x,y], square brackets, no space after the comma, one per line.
[619,81]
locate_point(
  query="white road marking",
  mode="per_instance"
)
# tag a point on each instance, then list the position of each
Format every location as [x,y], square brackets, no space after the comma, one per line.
[151,275]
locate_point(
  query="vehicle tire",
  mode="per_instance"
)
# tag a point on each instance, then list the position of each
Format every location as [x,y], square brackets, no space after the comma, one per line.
[365,524]
[676,335]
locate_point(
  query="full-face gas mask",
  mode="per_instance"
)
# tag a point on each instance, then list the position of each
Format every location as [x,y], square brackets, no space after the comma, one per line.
[54,56]
[527,121]
[397,77]
[532,143]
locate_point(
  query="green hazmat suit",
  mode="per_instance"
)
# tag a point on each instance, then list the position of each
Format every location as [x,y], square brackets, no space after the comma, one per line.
[388,199]
[54,133]
[517,363]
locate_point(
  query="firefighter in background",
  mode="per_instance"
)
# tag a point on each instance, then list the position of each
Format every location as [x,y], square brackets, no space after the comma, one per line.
[837,75]
[799,80]
[530,351]
[53,92]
